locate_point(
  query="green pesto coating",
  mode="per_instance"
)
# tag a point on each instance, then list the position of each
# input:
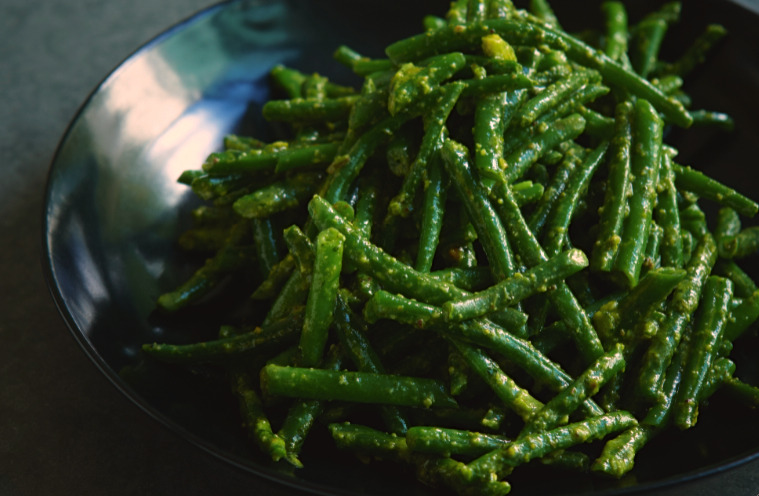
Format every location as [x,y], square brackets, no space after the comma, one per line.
[434,134]
[714,311]
[356,387]
[490,230]
[451,442]
[538,445]
[516,288]
[254,419]
[351,332]
[740,245]
[520,32]
[645,158]
[532,253]
[298,110]
[435,195]
[520,159]
[480,332]
[616,30]
[616,321]
[586,385]
[277,197]
[514,397]
[689,179]
[320,304]
[679,310]
[557,225]
[274,336]
[618,455]
[411,82]
[552,193]
[667,215]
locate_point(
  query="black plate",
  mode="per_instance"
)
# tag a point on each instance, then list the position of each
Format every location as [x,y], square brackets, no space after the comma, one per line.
[114,208]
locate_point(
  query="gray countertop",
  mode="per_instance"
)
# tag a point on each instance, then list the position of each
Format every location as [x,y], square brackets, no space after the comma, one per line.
[64,429]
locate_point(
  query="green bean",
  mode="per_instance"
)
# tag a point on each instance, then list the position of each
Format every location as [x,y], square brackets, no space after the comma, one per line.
[722,370]
[276,197]
[667,216]
[619,316]
[412,81]
[517,32]
[357,387]
[679,310]
[513,289]
[490,231]
[270,337]
[697,182]
[479,332]
[743,284]
[351,332]
[301,249]
[435,194]
[554,94]
[741,317]
[587,384]
[266,243]
[696,53]
[322,295]
[719,120]
[532,253]
[646,43]
[244,162]
[229,258]
[278,275]
[435,132]
[242,143]
[552,192]
[451,442]
[693,220]
[489,124]
[645,158]
[543,11]
[519,160]
[255,420]
[740,245]
[618,455]
[615,21]
[744,392]
[302,415]
[309,110]
[614,207]
[537,445]
[557,226]
[706,335]
[512,395]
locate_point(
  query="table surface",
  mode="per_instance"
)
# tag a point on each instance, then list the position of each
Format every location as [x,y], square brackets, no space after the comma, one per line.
[64,429]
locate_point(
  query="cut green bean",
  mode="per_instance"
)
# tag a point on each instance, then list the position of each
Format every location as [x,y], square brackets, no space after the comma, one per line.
[322,295]
[357,387]
[645,160]
[707,333]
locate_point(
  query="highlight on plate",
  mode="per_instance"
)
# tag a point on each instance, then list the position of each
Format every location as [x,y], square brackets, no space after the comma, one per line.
[484,254]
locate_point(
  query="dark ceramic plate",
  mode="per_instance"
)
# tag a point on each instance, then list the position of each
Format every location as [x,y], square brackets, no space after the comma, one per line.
[114,208]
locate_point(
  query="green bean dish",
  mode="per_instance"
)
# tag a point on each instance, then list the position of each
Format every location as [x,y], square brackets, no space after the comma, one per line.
[490,226]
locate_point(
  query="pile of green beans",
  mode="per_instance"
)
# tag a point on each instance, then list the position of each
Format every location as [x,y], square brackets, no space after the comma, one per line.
[482,255]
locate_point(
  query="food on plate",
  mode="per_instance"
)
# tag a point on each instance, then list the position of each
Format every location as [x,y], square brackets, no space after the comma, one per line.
[482,255]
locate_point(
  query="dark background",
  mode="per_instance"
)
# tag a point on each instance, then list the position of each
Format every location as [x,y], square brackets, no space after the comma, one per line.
[64,429]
